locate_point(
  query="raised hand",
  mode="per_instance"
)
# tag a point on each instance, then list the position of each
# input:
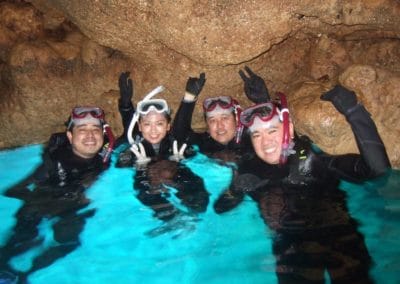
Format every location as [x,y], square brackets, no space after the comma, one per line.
[254,87]
[194,85]
[343,99]
[140,153]
[178,154]
[125,89]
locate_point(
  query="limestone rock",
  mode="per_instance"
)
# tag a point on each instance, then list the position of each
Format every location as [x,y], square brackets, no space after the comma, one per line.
[376,89]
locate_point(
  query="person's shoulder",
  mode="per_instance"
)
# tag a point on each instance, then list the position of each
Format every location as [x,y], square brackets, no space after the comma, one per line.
[303,143]
[249,162]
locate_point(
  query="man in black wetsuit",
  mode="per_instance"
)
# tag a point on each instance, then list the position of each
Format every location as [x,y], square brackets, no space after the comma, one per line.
[72,161]
[222,138]
[297,191]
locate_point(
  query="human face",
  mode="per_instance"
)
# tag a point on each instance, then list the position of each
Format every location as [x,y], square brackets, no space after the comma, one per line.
[154,127]
[86,140]
[222,127]
[267,142]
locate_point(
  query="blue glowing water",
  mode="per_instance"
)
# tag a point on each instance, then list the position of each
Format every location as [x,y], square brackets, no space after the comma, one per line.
[123,243]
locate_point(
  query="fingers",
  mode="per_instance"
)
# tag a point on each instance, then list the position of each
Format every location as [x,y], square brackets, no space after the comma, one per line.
[182,150]
[142,150]
[125,83]
[327,96]
[139,151]
[243,76]
[135,150]
[130,84]
[202,77]
[124,76]
[249,71]
[178,155]
[175,148]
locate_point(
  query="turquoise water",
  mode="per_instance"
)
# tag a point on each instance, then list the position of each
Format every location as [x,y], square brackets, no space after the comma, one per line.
[123,243]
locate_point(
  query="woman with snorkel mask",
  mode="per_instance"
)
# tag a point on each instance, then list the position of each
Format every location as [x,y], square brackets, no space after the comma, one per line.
[296,188]
[155,154]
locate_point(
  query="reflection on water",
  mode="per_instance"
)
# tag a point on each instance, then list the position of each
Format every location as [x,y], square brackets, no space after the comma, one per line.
[124,243]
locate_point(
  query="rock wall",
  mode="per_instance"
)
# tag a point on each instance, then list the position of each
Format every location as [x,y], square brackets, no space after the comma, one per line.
[57,54]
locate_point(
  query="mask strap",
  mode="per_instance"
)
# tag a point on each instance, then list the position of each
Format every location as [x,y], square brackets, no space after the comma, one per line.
[284,117]
[111,143]
[239,125]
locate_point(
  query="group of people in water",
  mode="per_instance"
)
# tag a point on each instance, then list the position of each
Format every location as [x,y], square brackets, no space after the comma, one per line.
[295,185]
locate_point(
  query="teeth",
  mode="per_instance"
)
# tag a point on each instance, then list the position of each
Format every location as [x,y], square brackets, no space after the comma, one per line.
[269,150]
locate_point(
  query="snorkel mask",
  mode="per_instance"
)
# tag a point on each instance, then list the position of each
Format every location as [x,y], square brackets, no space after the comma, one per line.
[222,104]
[266,113]
[157,105]
[144,107]
[95,115]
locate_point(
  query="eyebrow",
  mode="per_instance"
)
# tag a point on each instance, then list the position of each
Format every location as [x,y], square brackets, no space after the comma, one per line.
[269,128]
[94,125]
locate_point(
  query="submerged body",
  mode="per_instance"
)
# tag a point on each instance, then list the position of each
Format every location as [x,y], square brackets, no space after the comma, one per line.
[300,199]
[55,192]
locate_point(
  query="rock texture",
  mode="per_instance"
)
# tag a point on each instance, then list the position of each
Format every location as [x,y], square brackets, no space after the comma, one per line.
[57,54]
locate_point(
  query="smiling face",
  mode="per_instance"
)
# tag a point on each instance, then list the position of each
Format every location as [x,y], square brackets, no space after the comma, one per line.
[222,127]
[154,127]
[86,139]
[267,141]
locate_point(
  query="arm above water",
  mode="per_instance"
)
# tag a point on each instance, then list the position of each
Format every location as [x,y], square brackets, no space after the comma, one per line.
[182,125]
[22,190]
[373,160]
[125,106]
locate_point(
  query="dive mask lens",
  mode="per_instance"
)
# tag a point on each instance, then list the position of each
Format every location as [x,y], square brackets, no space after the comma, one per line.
[81,112]
[264,111]
[157,105]
[224,102]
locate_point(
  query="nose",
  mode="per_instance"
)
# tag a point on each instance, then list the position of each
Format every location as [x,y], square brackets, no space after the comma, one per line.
[90,133]
[266,139]
[153,128]
[220,125]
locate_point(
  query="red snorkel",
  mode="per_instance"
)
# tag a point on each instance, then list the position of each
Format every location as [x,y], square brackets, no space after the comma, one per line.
[111,143]
[239,125]
[284,116]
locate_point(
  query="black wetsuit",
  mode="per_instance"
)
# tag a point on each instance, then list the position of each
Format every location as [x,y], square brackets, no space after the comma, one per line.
[154,181]
[183,132]
[56,192]
[301,202]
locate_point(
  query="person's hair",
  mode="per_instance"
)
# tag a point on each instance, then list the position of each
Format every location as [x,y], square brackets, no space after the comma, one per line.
[205,114]
[166,115]
[69,124]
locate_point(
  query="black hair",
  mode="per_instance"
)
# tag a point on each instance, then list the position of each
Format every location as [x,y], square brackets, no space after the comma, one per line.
[165,114]
[69,124]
